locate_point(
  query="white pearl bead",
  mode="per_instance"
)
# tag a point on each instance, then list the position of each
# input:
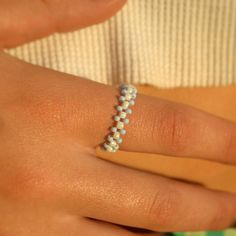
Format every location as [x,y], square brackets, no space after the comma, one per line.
[120,140]
[123,131]
[113,129]
[129,89]
[120,125]
[116,147]
[131,102]
[116,135]
[122,114]
[108,147]
[128,96]
[110,138]
[113,143]
[122,98]
[129,111]
[116,118]
[125,104]
[119,108]
[123,91]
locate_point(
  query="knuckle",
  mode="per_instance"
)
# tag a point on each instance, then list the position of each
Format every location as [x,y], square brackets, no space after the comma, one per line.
[172,126]
[160,208]
[223,217]
[25,183]
[39,105]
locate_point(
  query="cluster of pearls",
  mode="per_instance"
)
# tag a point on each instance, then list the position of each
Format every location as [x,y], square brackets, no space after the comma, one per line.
[126,99]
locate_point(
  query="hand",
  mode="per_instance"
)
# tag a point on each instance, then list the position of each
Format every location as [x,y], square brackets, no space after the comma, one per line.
[51,182]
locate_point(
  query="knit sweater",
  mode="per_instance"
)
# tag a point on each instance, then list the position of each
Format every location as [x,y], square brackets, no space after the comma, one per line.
[166,43]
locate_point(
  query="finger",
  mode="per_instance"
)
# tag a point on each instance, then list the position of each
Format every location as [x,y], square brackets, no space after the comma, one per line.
[86,109]
[164,127]
[159,126]
[128,197]
[26,20]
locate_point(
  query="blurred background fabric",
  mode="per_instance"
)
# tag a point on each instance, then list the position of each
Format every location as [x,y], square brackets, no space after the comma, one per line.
[166,43]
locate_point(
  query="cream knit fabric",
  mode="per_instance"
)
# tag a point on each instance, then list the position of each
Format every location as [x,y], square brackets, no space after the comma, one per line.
[167,43]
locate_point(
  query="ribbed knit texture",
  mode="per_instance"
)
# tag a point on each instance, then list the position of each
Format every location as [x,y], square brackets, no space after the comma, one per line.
[167,43]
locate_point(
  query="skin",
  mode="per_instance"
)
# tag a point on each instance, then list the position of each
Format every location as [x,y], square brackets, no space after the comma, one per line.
[52,183]
[26,20]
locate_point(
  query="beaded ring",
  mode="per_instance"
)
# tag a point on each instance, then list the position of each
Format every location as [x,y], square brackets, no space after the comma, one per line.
[126,99]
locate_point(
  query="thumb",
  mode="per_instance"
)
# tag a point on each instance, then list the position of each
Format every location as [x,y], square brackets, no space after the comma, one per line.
[26,20]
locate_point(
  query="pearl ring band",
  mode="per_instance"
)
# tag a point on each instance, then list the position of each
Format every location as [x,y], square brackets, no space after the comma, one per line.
[126,99]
